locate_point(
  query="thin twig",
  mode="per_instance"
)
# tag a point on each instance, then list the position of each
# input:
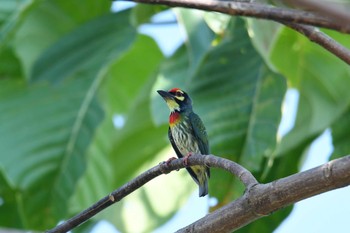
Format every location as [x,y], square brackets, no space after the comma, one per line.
[256,10]
[263,199]
[209,160]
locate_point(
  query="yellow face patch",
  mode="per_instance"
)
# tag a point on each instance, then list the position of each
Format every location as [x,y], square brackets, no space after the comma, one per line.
[172,105]
[179,95]
[181,98]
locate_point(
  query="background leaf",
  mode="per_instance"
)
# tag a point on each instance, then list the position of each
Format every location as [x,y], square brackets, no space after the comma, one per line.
[46,22]
[324,96]
[101,37]
[56,156]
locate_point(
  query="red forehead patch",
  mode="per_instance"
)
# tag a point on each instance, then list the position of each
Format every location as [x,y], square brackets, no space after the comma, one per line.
[174,89]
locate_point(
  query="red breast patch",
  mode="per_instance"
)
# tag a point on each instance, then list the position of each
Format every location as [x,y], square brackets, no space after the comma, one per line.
[174,118]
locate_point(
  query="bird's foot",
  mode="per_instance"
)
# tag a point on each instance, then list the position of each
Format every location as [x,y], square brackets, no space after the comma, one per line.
[185,162]
[169,160]
[165,170]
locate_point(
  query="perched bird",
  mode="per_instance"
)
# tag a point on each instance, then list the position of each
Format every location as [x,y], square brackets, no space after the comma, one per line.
[187,134]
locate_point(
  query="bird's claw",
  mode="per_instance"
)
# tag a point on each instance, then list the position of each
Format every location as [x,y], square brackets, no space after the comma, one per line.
[165,170]
[169,160]
[185,162]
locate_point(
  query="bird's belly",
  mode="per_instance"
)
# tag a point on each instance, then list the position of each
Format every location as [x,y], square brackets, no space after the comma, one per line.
[184,140]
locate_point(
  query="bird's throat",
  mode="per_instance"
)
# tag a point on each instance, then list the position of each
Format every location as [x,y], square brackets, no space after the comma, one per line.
[174,118]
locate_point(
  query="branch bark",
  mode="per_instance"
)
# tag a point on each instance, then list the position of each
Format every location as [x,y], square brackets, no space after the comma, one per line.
[163,168]
[295,19]
[259,199]
[263,199]
[256,10]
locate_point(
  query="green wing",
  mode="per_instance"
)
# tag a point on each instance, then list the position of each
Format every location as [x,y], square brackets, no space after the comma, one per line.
[200,133]
[201,136]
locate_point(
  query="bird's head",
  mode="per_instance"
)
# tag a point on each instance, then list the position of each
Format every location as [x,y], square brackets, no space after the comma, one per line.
[176,99]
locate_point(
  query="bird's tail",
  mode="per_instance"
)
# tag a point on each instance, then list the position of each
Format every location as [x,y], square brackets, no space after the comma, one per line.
[203,183]
[203,188]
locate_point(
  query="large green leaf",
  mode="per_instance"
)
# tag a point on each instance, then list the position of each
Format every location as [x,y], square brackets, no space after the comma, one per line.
[340,136]
[118,94]
[103,37]
[199,35]
[10,66]
[324,94]
[263,34]
[12,14]
[48,129]
[57,121]
[143,13]
[40,25]
[10,214]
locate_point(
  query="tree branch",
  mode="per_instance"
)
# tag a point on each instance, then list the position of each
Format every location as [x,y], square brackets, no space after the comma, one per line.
[256,10]
[263,199]
[295,19]
[209,160]
[259,199]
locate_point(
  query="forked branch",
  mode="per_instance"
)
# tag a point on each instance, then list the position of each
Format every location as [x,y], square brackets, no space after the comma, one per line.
[256,10]
[303,22]
[263,199]
[259,199]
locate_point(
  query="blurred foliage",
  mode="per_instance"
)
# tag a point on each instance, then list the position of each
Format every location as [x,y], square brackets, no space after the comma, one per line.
[80,115]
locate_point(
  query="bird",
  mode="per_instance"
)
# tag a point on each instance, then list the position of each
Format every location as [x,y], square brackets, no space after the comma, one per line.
[187,134]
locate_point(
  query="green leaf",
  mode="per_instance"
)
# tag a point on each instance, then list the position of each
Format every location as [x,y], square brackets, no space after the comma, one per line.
[123,81]
[263,34]
[324,94]
[48,129]
[12,15]
[199,35]
[340,136]
[103,37]
[133,146]
[43,22]
[10,66]
[118,93]
[217,22]
[143,13]
[10,214]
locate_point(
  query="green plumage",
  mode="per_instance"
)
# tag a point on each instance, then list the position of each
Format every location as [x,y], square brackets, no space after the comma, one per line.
[187,134]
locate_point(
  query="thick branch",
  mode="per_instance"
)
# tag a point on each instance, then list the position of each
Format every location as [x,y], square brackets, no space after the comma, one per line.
[295,19]
[256,10]
[210,160]
[263,199]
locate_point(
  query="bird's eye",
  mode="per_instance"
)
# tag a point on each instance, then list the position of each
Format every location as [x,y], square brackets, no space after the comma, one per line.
[178,94]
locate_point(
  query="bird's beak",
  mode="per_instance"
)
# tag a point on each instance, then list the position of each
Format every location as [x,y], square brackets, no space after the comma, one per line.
[170,100]
[166,95]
